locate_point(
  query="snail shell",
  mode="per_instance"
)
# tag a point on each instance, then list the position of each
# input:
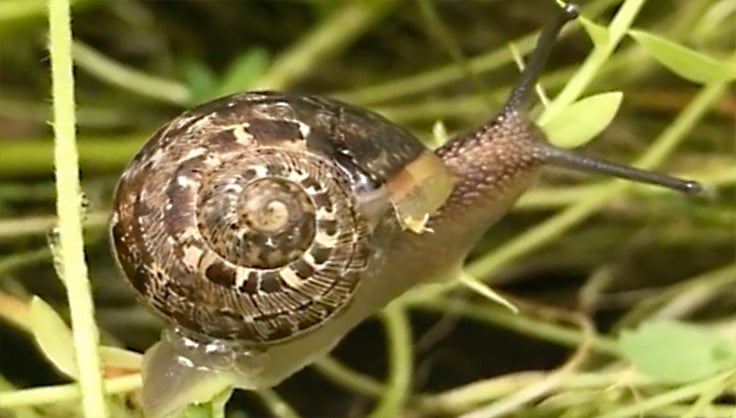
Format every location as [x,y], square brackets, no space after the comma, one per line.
[251,218]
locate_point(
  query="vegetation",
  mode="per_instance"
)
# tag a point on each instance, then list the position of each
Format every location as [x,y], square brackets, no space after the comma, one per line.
[623,297]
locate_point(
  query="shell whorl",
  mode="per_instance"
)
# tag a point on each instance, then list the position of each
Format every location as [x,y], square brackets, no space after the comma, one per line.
[247,225]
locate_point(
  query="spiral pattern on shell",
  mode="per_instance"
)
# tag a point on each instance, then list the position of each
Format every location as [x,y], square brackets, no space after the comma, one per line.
[245,218]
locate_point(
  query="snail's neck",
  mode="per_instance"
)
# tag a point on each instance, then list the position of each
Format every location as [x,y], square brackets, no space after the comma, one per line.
[493,166]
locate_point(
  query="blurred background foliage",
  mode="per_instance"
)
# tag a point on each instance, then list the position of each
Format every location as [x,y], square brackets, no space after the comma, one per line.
[140,62]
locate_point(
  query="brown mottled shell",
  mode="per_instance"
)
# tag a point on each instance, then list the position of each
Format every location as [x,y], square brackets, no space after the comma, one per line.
[251,217]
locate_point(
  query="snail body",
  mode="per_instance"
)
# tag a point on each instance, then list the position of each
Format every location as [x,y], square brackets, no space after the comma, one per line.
[264,226]
[328,194]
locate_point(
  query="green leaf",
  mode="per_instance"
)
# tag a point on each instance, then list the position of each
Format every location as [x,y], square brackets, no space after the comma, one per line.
[685,62]
[583,120]
[55,340]
[676,352]
[598,34]
[53,336]
[215,408]
[439,134]
[119,357]
[244,71]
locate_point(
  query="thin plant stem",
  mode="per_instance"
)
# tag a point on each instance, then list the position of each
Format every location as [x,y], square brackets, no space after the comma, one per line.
[28,157]
[36,225]
[87,116]
[639,408]
[460,399]
[348,378]
[437,30]
[699,292]
[345,24]
[69,392]
[13,10]
[278,406]
[398,331]
[549,383]
[670,302]
[27,192]
[435,78]
[704,400]
[21,411]
[428,80]
[22,259]
[85,332]
[129,79]
[722,410]
[502,317]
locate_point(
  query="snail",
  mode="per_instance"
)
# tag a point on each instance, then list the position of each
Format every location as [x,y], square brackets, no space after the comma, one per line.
[265,225]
